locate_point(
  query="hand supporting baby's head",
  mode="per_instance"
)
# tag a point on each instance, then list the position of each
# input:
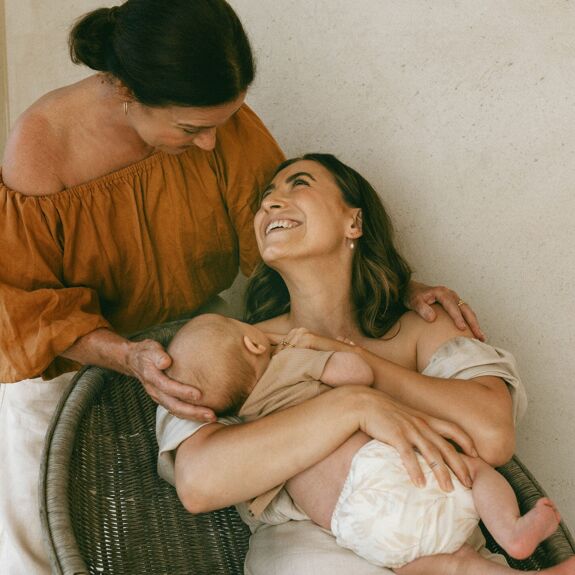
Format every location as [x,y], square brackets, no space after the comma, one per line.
[221,357]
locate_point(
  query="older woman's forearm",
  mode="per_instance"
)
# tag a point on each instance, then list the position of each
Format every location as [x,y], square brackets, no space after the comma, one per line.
[101,347]
[222,465]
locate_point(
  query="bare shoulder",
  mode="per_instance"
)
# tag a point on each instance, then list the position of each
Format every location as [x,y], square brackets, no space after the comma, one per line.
[430,336]
[34,150]
[38,145]
[412,341]
[398,344]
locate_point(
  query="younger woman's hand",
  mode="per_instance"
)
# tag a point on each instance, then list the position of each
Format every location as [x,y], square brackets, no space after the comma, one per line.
[409,432]
[147,361]
[302,338]
[421,297]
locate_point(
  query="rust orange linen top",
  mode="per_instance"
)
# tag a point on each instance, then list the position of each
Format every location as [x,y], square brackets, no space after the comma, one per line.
[140,246]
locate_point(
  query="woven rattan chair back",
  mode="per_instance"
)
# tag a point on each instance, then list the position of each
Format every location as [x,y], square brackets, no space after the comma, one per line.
[105,510]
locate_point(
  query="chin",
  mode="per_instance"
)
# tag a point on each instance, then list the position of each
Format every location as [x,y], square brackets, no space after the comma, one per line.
[276,257]
[272,255]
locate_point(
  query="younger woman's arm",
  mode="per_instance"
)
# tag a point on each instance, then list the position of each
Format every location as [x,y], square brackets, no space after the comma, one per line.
[481,406]
[221,465]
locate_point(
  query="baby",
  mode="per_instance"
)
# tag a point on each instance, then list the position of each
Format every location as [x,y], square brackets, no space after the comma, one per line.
[379,514]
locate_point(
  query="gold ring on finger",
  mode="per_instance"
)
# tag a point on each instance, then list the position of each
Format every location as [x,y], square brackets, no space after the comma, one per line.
[460,303]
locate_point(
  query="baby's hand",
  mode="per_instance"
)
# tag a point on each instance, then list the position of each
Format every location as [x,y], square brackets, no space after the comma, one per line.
[302,338]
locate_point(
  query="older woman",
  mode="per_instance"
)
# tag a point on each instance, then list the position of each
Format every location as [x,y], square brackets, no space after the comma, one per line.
[330,266]
[125,201]
[121,208]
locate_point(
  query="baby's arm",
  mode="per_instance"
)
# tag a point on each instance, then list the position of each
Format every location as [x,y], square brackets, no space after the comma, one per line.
[346,368]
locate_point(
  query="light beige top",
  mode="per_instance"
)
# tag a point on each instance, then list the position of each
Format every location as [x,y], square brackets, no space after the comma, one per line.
[292,376]
[143,245]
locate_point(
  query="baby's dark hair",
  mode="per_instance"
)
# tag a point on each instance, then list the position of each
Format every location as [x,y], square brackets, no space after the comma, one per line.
[208,353]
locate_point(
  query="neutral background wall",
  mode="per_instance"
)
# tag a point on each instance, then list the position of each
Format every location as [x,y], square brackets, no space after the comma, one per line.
[462,114]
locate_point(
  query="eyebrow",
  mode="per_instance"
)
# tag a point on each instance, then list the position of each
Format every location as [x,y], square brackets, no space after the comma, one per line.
[291,179]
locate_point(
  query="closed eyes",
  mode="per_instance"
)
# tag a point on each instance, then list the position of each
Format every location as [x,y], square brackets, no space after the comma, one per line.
[191,131]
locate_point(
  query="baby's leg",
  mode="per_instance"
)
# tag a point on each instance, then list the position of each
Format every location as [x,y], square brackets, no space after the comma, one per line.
[497,506]
[468,561]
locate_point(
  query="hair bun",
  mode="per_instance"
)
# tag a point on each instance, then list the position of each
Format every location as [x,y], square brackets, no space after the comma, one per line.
[184,52]
[91,38]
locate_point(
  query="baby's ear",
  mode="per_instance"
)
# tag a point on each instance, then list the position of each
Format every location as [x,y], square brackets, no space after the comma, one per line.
[253,347]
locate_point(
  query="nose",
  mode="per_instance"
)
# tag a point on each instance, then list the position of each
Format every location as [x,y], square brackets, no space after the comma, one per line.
[274,200]
[206,139]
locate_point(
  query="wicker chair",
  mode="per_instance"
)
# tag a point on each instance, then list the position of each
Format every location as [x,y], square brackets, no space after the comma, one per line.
[104,510]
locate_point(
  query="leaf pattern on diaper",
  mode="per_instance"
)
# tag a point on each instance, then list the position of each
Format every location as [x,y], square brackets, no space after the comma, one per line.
[384,518]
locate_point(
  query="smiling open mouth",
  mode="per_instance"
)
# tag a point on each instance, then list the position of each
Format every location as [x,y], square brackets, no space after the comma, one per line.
[282,225]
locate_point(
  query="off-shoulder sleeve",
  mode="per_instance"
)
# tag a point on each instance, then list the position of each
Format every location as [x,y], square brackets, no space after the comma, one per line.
[40,317]
[465,358]
[246,157]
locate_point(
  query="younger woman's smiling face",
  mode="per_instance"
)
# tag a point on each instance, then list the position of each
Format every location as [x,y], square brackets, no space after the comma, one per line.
[302,214]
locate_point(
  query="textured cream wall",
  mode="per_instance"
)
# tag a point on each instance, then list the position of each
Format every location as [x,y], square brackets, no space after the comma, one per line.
[36,36]
[462,114]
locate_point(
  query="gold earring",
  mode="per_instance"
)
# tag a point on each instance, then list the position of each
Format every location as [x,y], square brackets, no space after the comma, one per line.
[351,245]
[125,107]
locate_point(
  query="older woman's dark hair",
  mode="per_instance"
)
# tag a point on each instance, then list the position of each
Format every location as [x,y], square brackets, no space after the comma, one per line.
[380,275]
[168,52]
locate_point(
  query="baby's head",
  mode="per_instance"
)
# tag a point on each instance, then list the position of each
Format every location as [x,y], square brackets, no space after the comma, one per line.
[220,356]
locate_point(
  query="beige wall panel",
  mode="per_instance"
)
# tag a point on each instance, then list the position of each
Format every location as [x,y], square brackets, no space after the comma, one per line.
[462,114]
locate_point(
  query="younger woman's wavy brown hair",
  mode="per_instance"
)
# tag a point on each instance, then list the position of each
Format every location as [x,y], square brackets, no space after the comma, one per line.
[380,275]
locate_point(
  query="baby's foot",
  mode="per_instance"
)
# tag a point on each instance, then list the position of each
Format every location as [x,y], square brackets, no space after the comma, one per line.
[535,526]
[565,568]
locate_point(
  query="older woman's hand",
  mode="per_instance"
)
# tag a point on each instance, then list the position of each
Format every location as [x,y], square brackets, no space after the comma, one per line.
[421,297]
[147,361]
[410,432]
